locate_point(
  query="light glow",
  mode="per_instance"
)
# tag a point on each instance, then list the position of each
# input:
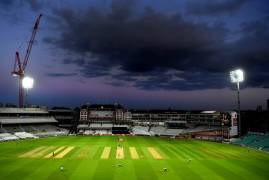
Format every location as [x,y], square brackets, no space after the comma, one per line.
[237,76]
[27,82]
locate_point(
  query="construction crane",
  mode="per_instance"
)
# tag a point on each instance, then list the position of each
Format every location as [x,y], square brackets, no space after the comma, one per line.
[19,67]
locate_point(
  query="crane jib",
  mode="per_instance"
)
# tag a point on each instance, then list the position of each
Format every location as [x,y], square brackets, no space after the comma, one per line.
[19,67]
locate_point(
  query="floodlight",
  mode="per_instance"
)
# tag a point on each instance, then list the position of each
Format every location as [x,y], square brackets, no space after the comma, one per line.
[27,82]
[237,76]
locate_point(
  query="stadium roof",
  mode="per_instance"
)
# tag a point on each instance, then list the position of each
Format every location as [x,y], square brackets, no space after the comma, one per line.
[177,122]
[61,110]
[170,111]
[103,106]
[157,111]
[23,110]
[28,120]
[208,112]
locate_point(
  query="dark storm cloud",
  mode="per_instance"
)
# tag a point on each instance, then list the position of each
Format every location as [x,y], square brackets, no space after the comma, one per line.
[213,7]
[6,3]
[16,11]
[173,79]
[78,61]
[35,5]
[190,81]
[252,52]
[61,74]
[156,50]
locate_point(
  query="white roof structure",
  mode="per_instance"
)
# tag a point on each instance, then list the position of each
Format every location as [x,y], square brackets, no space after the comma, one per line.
[118,125]
[208,112]
[23,110]
[26,120]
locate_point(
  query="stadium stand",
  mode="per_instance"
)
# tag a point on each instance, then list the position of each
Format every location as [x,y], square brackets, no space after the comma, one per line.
[254,140]
[141,130]
[27,120]
[22,123]
[8,137]
[102,129]
[164,131]
[49,130]
[25,135]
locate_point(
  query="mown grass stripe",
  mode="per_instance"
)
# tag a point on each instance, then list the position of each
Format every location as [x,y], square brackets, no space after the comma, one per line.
[120,152]
[186,152]
[55,152]
[183,171]
[222,170]
[214,150]
[133,153]
[64,152]
[141,153]
[98,152]
[43,152]
[106,153]
[170,153]
[178,152]
[105,169]
[34,151]
[254,166]
[154,153]
[194,152]
[219,163]
[144,167]
[181,150]
[245,172]
[83,152]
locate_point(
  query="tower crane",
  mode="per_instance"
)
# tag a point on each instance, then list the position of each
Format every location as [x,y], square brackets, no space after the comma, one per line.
[20,66]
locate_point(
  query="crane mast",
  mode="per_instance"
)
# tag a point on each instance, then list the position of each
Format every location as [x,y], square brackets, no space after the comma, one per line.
[19,67]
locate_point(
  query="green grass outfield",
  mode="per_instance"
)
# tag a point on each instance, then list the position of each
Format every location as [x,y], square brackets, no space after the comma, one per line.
[184,159]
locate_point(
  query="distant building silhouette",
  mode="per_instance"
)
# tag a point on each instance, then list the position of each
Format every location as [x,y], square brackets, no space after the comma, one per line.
[267,104]
[255,121]
[259,108]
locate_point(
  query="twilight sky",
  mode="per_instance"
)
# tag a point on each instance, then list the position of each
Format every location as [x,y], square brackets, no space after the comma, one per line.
[139,53]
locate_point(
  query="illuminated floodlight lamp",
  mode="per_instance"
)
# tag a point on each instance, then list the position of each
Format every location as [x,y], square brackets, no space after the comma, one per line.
[237,76]
[27,82]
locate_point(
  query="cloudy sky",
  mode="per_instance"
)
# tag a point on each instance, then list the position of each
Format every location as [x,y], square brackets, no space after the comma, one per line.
[140,53]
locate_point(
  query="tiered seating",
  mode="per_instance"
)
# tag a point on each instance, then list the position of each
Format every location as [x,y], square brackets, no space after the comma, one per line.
[88,132]
[21,129]
[200,129]
[172,132]
[41,130]
[27,120]
[29,129]
[25,135]
[7,137]
[13,129]
[49,130]
[247,140]
[3,130]
[258,141]
[96,126]
[96,132]
[158,130]
[101,132]
[141,130]
[162,131]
